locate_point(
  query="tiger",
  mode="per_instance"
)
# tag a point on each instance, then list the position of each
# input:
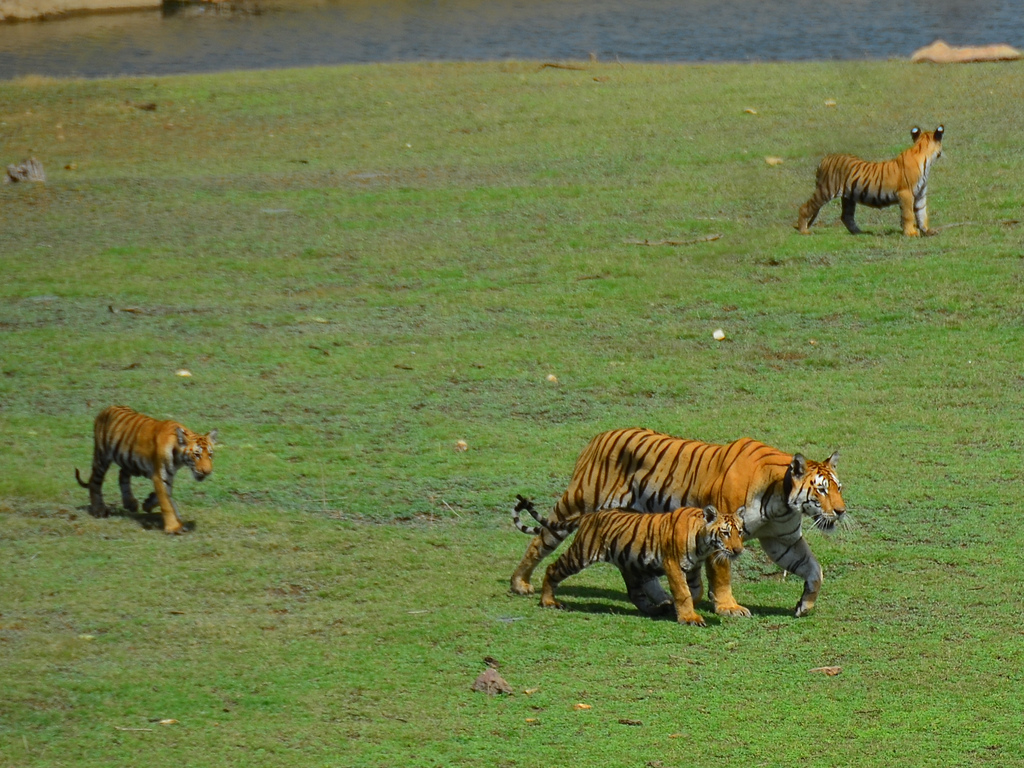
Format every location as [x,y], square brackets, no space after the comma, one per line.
[647,471]
[903,180]
[643,545]
[145,447]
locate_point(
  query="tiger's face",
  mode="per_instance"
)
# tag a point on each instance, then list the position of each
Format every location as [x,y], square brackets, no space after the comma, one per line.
[816,491]
[724,532]
[197,451]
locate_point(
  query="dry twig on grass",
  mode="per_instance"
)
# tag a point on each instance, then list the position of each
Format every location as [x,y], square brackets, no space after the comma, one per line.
[705,239]
[554,65]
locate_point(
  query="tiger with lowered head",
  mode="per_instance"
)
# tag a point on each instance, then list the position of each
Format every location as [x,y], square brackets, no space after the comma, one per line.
[903,180]
[145,447]
[642,545]
[645,471]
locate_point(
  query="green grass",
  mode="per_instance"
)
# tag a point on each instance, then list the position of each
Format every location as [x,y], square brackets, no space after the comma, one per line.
[363,265]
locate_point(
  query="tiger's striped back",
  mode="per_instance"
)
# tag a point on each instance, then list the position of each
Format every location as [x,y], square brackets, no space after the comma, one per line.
[648,471]
[902,180]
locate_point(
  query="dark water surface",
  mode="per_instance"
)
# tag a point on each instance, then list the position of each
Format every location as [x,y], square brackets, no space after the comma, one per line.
[278,33]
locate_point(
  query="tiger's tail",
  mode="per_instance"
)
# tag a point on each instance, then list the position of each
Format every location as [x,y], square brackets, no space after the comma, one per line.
[78,477]
[526,505]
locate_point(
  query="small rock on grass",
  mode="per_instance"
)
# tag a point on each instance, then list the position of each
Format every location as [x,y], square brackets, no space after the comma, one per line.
[491,683]
[28,170]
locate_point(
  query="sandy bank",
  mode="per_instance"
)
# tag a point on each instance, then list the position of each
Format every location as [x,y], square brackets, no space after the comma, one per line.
[23,10]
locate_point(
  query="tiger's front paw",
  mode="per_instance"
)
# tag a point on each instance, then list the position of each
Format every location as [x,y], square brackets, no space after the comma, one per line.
[694,619]
[520,586]
[802,609]
[733,610]
[180,530]
[550,602]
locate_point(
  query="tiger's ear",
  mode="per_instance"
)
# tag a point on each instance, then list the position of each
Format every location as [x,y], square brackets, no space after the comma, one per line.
[833,460]
[915,132]
[212,437]
[938,133]
[798,466]
[710,514]
[181,435]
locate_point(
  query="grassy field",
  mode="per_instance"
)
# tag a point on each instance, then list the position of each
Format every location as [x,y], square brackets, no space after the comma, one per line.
[361,266]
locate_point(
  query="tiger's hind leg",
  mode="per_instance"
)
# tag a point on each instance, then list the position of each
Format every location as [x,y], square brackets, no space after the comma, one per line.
[540,547]
[571,562]
[100,465]
[809,211]
[543,545]
[124,479]
[847,217]
[646,593]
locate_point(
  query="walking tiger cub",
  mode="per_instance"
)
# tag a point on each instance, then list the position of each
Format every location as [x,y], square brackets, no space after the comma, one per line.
[646,471]
[145,447]
[644,545]
[903,180]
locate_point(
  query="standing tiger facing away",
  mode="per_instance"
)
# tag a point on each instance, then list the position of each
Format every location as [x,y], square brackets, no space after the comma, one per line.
[646,471]
[145,447]
[643,546]
[903,180]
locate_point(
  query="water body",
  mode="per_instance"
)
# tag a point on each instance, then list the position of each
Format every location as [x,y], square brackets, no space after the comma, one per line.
[255,34]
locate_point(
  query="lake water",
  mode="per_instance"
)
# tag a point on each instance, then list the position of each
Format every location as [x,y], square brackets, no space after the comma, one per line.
[277,33]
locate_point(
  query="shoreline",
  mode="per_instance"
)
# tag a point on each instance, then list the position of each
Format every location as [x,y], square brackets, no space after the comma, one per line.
[12,11]
[40,10]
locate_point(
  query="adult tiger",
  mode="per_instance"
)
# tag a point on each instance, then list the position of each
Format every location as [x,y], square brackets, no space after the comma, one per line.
[647,471]
[903,180]
[644,545]
[145,447]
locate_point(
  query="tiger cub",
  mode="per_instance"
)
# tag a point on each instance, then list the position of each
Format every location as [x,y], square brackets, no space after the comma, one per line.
[644,545]
[145,447]
[903,180]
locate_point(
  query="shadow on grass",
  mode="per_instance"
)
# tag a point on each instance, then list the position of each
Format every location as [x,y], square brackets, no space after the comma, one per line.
[622,605]
[150,521]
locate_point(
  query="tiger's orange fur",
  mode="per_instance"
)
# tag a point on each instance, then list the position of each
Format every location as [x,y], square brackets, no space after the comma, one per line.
[646,471]
[903,180]
[145,447]
[643,545]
